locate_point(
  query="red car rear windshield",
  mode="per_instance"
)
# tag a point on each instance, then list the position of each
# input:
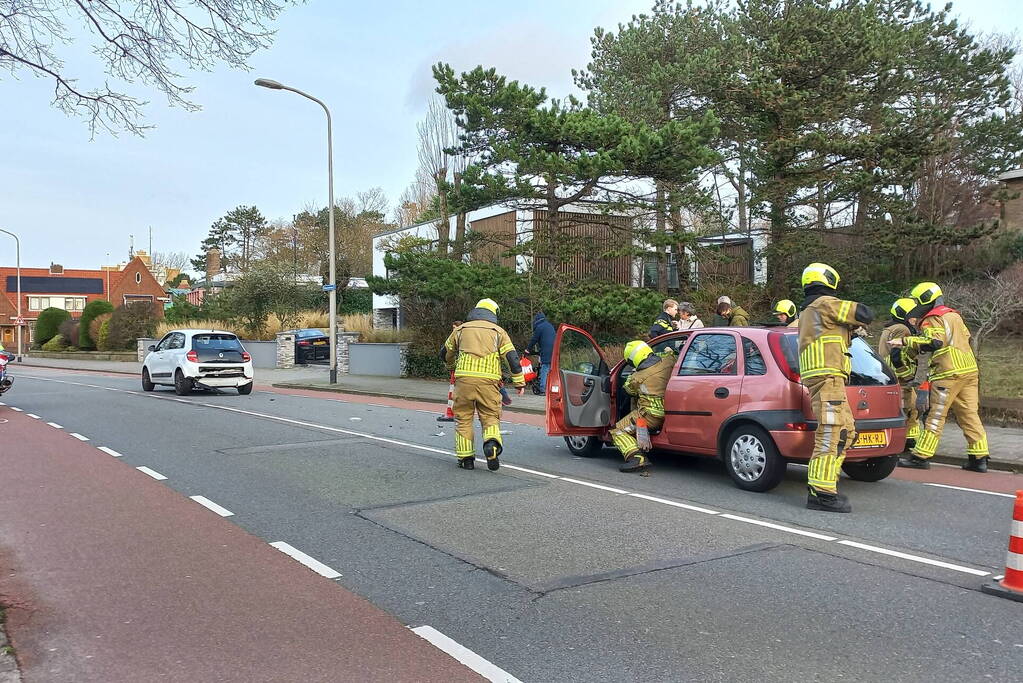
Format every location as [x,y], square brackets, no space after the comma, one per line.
[867,367]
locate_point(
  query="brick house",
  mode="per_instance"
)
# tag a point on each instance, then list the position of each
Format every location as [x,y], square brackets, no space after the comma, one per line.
[71,290]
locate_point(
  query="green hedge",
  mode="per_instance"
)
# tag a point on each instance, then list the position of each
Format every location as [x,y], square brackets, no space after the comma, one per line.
[426,365]
[92,310]
[48,324]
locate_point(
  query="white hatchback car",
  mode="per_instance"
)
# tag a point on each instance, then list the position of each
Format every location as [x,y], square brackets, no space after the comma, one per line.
[205,359]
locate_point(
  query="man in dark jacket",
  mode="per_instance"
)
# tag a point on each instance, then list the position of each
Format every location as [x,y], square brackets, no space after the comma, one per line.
[542,343]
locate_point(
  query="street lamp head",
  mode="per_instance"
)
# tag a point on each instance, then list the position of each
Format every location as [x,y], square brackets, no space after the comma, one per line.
[267,83]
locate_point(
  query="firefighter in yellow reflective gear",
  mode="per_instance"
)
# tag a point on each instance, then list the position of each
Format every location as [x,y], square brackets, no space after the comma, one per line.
[954,379]
[786,313]
[825,325]
[903,363]
[475,351]
[646,385]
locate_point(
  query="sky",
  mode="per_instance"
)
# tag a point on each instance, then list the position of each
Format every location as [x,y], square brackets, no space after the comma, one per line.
[73,200]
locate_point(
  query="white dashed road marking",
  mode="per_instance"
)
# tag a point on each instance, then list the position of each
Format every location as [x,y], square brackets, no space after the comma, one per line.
[33,416]
[110,451]
[483,667]
[153,473]
[315,565]
[17,410]
[54,425]
[206,502]
[79,436]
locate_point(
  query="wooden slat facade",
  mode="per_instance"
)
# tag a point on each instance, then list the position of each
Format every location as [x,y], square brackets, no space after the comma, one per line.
[582,247]
[499,236]
[732,264]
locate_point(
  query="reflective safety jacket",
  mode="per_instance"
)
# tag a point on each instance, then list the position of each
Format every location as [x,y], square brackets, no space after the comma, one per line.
[943,332]
[904,362]
[649,382]
[824,327]
[663,324]
[476,349]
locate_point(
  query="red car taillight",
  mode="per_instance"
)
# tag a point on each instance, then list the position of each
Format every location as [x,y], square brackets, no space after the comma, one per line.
[192,356]
[774,343]
[246,357]
[304,343]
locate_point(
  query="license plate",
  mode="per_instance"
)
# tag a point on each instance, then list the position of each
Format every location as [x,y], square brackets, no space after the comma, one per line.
[320,343]
[871,440]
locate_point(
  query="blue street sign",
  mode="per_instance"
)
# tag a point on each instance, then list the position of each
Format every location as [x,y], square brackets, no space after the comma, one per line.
[329,288]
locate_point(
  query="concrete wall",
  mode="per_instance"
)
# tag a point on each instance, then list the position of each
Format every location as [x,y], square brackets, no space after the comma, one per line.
[377,359]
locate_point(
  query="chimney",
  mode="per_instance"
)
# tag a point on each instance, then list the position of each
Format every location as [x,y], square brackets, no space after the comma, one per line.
[212,266]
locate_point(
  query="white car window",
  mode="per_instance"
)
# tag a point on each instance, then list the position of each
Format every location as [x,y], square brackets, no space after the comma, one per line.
[177,341]
[165,343]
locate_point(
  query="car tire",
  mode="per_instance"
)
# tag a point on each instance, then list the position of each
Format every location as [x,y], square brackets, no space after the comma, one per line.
[147,383]
[752,459]
[245,389]
[182,384]
[584,446]
[874,469]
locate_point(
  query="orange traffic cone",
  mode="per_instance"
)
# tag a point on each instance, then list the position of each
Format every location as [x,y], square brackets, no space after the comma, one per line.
[1012,585]
[449,413]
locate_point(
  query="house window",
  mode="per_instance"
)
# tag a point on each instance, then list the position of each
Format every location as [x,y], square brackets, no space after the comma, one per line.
[650,271]
[138,278]
[67,303]
[35,303]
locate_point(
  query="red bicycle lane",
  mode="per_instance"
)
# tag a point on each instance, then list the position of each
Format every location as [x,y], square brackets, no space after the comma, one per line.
[109,575]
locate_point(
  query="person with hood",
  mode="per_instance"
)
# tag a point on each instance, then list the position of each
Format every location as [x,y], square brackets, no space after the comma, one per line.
[786,313]
[665,321]
[475,351]
[542,343]
[732,312]
[953,375]
[903,362]
[825,325]
[647,386]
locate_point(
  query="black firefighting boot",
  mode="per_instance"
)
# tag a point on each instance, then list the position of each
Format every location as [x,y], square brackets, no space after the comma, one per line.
[976,464]
[635,463]
[825,501]
[468,463]
[492,449]
[915,462]
[910,445]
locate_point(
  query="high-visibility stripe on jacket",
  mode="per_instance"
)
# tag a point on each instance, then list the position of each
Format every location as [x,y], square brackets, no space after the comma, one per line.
[944,327]
[904,363]
[476,349]
[824,327]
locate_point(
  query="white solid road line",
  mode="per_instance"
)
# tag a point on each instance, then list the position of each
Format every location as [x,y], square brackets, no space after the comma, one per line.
[915,558]
[315,565]
[54,425]
[79,436]
[33,416]
[963,488]
[779,527]
[206,502]
[484,668]
[153,473]
[109,451]
[568,480]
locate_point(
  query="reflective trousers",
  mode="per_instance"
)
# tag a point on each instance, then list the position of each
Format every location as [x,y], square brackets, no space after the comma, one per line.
[836,431]
[474,396]
[911,411]
[961,397]
[624,433]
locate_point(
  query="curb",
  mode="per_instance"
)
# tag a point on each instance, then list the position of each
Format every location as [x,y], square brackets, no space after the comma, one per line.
[382,394]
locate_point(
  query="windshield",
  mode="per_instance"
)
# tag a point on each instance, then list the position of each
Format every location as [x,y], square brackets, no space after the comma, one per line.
[302,334]
[867,367]
[216,342]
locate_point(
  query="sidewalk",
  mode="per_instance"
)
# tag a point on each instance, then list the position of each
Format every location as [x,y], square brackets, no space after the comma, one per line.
[1006,442]
[109,575]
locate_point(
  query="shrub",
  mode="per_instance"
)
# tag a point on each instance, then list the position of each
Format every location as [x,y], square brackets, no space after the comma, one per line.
[93,309]
[356,301]
[94,326]
[55,343]
[129,323]
[48,324]
[103,333]
[69,331]
[426,365]
[181,311]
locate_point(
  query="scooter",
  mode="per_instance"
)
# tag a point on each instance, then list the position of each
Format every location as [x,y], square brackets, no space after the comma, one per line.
[6,381]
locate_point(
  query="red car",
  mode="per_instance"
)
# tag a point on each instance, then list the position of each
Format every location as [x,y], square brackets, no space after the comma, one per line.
[734,394]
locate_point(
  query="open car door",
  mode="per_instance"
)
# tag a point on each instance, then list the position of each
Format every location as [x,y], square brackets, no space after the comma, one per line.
[578,386]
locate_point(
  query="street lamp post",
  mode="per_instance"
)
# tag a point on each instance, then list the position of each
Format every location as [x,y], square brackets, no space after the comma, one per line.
[332,292]
[17,252]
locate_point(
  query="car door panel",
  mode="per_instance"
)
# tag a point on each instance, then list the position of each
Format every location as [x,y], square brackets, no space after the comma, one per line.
[578,386]
[704,391]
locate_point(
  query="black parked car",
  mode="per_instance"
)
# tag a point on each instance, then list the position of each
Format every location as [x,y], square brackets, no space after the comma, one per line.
[311,346]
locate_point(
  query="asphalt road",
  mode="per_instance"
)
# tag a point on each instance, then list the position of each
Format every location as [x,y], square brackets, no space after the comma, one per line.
[567,570]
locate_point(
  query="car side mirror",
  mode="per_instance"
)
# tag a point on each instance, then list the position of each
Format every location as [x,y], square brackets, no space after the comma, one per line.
[587,368]
[152,347]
